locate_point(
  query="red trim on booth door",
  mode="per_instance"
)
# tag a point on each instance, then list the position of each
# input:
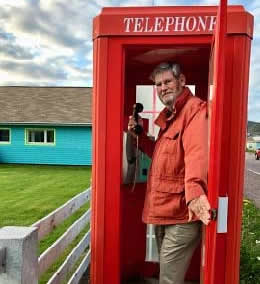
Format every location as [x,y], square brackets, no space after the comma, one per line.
[216,155]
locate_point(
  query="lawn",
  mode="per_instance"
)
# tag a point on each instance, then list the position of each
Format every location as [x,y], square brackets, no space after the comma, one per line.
[30,192]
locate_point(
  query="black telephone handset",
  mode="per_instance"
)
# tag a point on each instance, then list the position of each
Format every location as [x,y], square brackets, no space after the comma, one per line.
[138,129]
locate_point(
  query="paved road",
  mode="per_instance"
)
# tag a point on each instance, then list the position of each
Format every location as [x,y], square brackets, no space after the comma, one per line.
[252,179]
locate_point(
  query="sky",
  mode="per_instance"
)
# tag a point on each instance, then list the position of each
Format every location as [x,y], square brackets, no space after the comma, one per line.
[49,42]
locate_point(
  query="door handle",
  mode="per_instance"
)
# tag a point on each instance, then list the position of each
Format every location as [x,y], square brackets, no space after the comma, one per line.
[220,214]
[213,214]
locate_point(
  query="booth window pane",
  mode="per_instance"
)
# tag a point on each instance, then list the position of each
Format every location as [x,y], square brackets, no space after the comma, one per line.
[151,246]
[147,96]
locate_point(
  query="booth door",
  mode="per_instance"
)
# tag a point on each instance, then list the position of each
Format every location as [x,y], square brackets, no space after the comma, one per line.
[211,269]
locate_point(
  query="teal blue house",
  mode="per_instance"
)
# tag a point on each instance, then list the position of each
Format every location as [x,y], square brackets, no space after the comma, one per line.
[45,125]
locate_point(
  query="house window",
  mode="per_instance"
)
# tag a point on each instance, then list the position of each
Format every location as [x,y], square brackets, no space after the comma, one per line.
[5,136]
[40,136]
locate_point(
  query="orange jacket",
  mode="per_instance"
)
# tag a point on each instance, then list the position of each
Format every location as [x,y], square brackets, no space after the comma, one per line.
[178,171]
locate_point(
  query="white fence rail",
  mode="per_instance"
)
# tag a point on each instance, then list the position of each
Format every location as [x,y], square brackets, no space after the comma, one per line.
[70,261]
[51,221]
[18,247]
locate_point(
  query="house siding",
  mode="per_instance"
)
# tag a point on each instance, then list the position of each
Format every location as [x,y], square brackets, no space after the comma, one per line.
[253,145]
[72,147]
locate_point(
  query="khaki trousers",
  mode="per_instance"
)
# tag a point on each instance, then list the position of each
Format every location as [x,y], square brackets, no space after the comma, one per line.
[176,244]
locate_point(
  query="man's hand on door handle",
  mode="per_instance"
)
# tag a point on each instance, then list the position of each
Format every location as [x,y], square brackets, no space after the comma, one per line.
[200,207]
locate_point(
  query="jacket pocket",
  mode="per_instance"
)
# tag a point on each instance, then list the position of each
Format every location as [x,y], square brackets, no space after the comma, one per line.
[169,200]
[172,134]
[169,143]
[170,185]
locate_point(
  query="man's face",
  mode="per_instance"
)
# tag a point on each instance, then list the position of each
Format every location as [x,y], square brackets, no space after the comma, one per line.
[168,87]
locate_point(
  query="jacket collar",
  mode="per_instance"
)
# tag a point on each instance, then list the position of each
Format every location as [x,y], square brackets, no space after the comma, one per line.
[165,115]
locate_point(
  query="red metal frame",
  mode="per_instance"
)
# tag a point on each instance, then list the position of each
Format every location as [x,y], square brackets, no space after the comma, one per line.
[99,146]
[216,186]
[116,217]
[236,146]
[109,23]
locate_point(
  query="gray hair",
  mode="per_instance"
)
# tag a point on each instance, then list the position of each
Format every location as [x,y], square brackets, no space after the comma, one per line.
[166,66]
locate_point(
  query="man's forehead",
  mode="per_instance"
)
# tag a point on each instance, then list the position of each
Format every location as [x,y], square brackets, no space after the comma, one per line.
[163,75]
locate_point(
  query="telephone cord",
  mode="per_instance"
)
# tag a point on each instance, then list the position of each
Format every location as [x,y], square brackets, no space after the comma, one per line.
[136,162]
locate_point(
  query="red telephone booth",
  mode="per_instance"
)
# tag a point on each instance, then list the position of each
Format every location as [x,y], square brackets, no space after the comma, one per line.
[128,43]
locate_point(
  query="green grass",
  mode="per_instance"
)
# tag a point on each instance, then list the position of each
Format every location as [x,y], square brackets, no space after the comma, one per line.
[53,268]
[250,245]
[250,150]
[61,229]
[30,192]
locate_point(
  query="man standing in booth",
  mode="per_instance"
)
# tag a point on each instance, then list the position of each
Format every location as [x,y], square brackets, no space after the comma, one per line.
[176,201]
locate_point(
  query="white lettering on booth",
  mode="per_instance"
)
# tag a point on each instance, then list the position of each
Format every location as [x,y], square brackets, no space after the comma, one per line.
[138,25]
[147,28]
[191,24]
[179,24]
[213,21]
[202,23]
[170,24]
[158,25]
[127,22]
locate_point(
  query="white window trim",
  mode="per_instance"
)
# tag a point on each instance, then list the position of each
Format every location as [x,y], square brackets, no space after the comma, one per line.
[6,142]
[45,143]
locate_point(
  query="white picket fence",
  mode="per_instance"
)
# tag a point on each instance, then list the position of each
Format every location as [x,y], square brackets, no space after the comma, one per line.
[17,247]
